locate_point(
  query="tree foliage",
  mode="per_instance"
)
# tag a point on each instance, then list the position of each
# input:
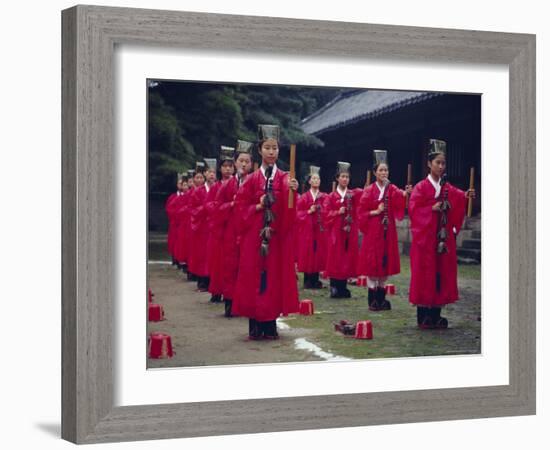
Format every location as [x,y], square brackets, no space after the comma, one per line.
[190,120]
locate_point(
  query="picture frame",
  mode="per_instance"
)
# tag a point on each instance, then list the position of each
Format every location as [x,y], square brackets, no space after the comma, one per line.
[89,37]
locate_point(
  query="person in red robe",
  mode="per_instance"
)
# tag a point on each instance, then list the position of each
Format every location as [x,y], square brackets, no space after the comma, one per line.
[436,210]
[185,234]
[228,219]
[199,227]
[381,204]
[180,216]
[170,208]
[341,219]
[266,282]
[311,244]
[215,236]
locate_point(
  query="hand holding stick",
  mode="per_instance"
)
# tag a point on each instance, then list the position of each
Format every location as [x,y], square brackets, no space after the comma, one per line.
[292,174]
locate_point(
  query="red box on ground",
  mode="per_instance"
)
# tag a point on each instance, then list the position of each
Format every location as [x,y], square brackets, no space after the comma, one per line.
[160,346]
[156,313]
[306,307]
[363,329]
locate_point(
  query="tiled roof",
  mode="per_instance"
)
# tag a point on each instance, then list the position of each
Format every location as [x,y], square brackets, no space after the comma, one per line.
[358,105]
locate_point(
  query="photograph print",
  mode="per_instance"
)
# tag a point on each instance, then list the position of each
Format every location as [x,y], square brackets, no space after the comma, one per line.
[300,223]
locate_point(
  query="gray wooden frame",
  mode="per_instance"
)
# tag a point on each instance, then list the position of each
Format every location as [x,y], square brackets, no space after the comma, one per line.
[89,36]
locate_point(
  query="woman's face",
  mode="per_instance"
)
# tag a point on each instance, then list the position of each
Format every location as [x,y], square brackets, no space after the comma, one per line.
[244,163]
[382,173]
[227,169]
[269,151]
[184,186]
[199,179]
[343,180]
[315,181]
[210,176]
[178,185]
[437,165]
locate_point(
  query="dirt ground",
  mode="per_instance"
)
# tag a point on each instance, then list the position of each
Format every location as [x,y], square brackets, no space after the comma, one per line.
[200,333]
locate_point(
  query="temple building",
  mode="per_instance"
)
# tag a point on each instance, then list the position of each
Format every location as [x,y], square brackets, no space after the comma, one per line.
[401,122]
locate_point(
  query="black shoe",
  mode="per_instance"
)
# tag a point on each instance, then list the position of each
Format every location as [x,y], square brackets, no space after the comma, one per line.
[383,304]
[227,310]
[202,284]
[373,300]
[216,298]
[254,332]
[174,262]
[424,318]
[315,282]
[269,330]
[438,321]
[191,277]
[342,288]
[183,267]
[307,281]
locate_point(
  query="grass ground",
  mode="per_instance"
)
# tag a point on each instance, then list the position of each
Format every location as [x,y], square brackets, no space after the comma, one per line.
[395,332]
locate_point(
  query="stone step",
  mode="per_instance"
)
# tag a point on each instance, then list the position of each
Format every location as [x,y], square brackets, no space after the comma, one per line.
[475,234]
[472,243]
[469,253]
[472,223]
[466,261]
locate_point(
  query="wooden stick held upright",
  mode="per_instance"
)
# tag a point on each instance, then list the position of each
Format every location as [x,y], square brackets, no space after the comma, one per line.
[367,183]
[470,199]
[409,182]
[292,174]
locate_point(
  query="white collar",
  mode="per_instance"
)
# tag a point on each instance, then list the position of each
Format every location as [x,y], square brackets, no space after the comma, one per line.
[207,187]
[435,184]
[314,195]
[262,168]
[342,193]
[178,193]
[381,189]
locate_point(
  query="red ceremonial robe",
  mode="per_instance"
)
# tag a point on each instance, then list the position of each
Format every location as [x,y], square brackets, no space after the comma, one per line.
[311,245]
[341,259]
[374,246]
[281,293]
[181,247]
[425,261]
[170,212]
[213,246]
[199,230]
[229,219]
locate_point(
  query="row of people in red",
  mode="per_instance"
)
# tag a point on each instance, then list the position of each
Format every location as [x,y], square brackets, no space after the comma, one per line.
[253,235]
[436,211]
